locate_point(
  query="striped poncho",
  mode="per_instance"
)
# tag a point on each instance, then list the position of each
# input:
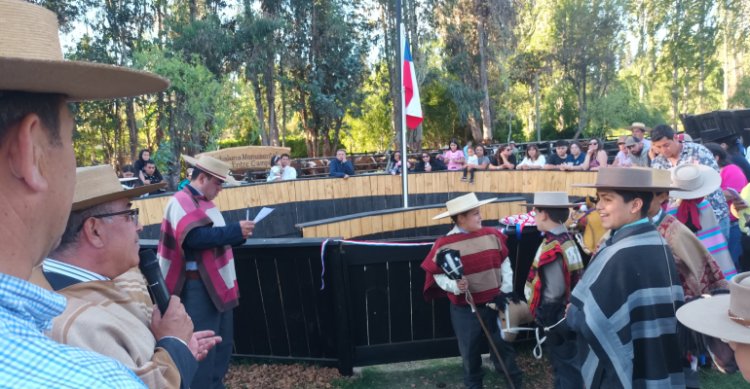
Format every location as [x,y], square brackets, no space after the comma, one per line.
[623,310]
[185,212]
[482,253]
[712,238]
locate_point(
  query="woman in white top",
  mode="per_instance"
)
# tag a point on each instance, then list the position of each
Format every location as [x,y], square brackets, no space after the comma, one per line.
[533,160]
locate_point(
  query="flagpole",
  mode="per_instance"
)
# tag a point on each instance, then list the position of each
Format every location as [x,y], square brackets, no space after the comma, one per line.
[404,155]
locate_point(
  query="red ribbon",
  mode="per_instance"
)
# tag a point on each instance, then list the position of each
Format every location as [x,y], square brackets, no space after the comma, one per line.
[688,210]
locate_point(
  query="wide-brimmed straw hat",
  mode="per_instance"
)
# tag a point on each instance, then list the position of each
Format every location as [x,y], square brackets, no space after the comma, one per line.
[694,181]
[462,204]
[212,166]
[725,316]
[99,184]
[632,179]
[638,125]
[550,200]
[31,60]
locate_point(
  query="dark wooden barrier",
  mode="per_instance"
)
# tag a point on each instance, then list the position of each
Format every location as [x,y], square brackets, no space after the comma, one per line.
[371,309]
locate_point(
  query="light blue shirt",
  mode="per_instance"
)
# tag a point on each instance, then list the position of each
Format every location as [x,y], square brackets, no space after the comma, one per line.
[28,359]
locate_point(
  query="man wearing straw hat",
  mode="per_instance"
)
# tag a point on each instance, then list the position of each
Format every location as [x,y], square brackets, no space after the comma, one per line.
[37,174]
[109,309]
[725,317]
[623,308]
[195,255]
[488,277]
[556,269]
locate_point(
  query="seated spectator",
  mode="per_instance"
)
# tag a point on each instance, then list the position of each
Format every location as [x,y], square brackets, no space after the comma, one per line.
[503,159]
[596,157]
[143,157]
[128,180]
[152,176]
[558,157]
[637,154]
[453,157]
[109,310]
[275,172]
[479,162]
[341,167]
[288,172]
[395,163]
[575,159]
[534,160]
[622,159]
[427,163]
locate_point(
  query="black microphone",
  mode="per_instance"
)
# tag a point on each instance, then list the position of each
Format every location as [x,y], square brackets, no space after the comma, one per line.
[149,266]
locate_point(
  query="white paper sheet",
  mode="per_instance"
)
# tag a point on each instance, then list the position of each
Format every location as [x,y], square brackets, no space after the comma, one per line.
[265,211]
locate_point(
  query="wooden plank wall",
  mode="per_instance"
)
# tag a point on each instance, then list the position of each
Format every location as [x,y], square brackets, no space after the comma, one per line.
[374,186]
[407,219]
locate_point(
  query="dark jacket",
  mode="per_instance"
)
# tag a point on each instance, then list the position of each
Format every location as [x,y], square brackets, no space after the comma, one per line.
[340,169]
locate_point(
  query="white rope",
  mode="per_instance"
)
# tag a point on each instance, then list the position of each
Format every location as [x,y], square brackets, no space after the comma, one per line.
[538,331]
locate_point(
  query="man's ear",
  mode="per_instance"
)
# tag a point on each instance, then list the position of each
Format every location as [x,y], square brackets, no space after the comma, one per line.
[27,145]
[637,205]
[92,233]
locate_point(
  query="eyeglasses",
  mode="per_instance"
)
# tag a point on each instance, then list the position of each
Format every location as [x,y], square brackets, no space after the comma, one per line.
[131,214]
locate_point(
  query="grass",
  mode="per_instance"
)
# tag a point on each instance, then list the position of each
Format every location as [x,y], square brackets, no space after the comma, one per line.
[447,373]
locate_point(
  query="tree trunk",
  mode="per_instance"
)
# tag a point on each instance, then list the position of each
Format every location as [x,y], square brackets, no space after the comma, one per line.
[273,129]
[259,111]
[480,14]
[132,127]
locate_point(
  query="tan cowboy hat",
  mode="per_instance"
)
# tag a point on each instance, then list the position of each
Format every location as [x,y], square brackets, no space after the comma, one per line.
[212,166]
[99,184]
[550,200]
[638,125]
[694,181]
[725,317]
[632,179]
[462,204]
[31,60]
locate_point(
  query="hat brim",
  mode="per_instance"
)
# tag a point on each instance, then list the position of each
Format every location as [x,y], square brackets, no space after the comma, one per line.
[710,185]
[79,81]
[710,316]
[568,205]
[630,188]
[125,194]
[228,179]
[464,209]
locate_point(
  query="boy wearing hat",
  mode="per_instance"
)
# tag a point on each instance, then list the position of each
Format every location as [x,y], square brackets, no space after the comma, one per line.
[37,174]
[623,308]
[195,255]
[556,269]
[109,310]
[487,277]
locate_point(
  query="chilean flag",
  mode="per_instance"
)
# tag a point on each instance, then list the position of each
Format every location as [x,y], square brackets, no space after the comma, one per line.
[411,91]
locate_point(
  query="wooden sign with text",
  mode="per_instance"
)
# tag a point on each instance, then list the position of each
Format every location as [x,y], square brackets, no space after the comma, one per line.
[248,157]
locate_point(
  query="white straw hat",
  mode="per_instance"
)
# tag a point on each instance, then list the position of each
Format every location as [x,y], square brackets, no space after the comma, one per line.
[694,181]
[462,204]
